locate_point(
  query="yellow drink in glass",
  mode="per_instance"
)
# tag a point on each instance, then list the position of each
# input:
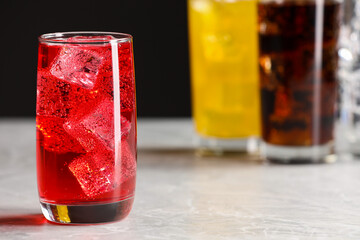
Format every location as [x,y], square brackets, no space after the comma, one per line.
[224,68]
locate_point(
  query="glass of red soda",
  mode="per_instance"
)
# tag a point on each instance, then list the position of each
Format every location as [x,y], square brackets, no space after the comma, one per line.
[86,126]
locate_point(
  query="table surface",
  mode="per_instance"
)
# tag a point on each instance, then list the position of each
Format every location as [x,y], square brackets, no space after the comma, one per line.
[182,196]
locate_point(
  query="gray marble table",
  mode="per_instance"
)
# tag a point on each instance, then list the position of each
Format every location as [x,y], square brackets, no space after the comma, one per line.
[182,196]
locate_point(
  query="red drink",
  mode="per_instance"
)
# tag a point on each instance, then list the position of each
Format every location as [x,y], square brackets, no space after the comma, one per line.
[86,127]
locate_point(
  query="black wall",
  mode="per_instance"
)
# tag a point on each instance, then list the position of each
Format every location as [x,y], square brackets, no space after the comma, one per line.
[160,36]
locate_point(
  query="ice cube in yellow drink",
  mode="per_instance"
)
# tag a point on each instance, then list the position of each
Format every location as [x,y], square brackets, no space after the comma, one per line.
[224,68]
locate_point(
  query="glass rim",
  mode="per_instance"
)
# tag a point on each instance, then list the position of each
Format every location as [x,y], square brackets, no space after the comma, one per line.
[61,37]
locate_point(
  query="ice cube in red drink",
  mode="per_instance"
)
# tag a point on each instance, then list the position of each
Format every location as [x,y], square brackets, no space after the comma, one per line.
[51,96]
[96,128]
[98,172]
[55,139]
[126,75]
[58,98]
[77,65]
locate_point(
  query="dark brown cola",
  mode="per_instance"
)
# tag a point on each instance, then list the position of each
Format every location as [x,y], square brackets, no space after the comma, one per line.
[298,65]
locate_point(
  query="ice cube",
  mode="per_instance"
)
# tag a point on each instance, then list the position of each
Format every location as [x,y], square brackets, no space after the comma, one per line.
[55,138]
[58,98]
[101,122]
[77,65]
[98,172]
[126,75]
[51,96]
[221,46]
[94,175]
[96,128]
[127,96]
[201,6]
[127,162]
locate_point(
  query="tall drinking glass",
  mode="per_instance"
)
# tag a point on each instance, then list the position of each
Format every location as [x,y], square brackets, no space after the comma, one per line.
[224,74]
[348,134]
[86,126]
[298,67]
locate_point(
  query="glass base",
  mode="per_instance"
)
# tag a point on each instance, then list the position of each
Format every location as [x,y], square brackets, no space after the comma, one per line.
[220,146]
[354,148]
[347,139]
[87,214]
[293,154]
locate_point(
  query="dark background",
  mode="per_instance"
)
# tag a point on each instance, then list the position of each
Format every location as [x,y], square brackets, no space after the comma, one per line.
[160,36]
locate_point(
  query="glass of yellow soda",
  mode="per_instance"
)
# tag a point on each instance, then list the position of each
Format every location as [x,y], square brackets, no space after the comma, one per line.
[224,74]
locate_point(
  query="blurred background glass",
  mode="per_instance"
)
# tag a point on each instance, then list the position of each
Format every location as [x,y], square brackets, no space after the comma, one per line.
[298,73]
[349,76]
[224,73]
